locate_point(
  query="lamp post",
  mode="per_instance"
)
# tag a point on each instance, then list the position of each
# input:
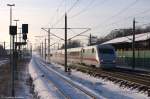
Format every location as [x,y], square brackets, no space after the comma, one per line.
[10,5]
[11,58]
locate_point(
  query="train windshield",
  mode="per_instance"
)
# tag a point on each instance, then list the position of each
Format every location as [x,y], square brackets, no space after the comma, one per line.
[106,51]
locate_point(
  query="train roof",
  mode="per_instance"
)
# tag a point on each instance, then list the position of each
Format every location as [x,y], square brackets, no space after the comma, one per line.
[85,47]
[128,39]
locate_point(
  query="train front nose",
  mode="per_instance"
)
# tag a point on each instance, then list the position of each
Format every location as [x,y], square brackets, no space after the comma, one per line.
[107,61]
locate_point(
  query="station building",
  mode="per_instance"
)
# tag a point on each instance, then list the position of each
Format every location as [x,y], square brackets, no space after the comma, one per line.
[123,46]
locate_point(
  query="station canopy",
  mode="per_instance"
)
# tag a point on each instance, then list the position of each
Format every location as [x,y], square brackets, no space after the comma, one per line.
[128,39]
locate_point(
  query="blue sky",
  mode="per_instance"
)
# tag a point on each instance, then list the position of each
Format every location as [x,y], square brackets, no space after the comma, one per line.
[105,15]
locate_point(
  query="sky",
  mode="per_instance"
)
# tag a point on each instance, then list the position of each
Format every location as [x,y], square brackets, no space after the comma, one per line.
[101,16]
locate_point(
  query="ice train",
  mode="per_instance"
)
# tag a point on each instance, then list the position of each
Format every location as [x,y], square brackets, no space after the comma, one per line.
[101,56]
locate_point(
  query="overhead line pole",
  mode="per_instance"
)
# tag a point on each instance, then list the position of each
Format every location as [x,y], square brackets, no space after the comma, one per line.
[133,46]
[4,45]
[66,43]
[49,51]
[66,67]
[42,50]
[45,49]
[49,57]
[90,42]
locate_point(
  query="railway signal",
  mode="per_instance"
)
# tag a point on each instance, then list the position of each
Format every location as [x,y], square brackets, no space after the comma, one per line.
[24,31]
[12,30]
[24,28]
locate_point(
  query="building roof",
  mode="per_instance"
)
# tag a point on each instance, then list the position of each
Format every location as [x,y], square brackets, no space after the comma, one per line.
[128,39]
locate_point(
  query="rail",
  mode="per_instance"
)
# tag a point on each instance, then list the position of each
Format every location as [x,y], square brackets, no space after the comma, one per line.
[72,83]
[130,79]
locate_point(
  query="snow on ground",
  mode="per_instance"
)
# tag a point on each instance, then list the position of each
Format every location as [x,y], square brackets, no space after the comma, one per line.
[105,88]
[22,90]
[100,86]
[22,87]
[42,88]
[65,87]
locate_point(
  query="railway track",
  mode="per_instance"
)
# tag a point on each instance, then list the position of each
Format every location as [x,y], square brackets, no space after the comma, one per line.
[125,79]
[71,83]
[59,90]
[142,79]
[56,87]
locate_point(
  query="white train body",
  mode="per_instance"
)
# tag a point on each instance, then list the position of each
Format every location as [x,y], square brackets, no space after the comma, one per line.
[101,56]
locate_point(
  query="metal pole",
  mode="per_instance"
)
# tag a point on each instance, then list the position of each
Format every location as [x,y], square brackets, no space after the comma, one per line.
[58,46]
[4,45]
[90,39]
[45,49]
[13,39]
[42,49]
[16,25]
[65,42]
[15,58]
[133,45]
[20,45]
[31,49]
[20,35]
[11,57]
[49,56]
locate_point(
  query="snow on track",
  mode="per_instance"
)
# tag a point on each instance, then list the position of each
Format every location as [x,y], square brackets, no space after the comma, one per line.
[43,88]
[103,87]
[71,88]
[98,86]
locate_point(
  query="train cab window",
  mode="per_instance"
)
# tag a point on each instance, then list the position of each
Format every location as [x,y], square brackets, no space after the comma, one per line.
[92,50]
[106,51]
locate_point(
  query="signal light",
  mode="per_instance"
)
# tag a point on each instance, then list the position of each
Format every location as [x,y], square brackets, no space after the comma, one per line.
[12,30]
[24,28]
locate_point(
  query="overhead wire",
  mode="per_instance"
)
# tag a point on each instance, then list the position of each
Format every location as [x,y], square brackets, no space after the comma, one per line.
[74,4]
[86,8]
[126,18]
[56,11]
[117,14]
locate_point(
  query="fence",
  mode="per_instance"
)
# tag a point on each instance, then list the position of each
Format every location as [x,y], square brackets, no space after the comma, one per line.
[142,58]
